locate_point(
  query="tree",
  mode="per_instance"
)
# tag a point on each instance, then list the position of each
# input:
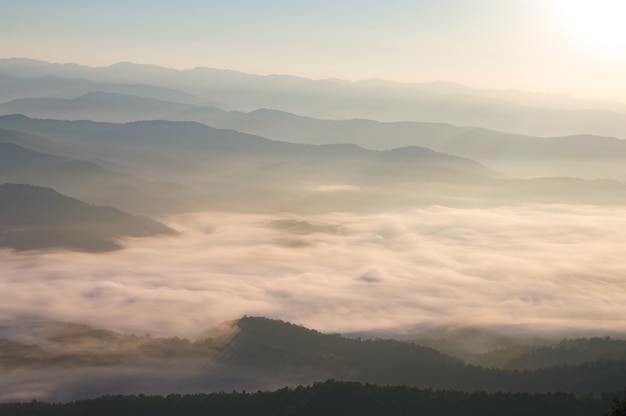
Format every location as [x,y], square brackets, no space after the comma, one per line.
[618,408]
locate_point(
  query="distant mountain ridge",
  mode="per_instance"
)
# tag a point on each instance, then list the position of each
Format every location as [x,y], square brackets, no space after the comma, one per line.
[96,106]
[511,111]
[190,142]
[226,169]
[526,156]
[514,154]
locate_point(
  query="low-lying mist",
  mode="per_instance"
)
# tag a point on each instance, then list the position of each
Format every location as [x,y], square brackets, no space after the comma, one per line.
[528,269]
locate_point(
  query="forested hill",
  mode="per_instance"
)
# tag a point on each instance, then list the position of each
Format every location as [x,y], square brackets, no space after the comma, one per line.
[266,349]
[255,353]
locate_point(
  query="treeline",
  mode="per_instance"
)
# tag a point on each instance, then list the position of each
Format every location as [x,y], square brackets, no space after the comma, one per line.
[330,398]
[569,352]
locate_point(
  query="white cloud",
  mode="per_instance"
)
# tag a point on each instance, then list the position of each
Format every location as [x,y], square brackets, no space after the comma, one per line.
[335,188]
[532,266]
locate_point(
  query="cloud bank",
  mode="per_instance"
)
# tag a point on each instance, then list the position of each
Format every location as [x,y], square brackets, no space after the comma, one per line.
[535,267]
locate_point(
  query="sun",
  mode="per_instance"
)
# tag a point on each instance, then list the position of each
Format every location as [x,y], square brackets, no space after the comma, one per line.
[600,24]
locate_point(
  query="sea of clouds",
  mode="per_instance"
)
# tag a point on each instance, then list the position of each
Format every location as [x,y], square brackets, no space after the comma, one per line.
[528,268]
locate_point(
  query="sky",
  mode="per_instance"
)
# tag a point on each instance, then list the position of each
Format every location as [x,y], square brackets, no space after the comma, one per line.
[561,46]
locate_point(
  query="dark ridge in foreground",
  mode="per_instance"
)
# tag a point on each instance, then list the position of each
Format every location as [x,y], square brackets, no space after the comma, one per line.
[329,398]
[266,349]
[34,217]
[256,353]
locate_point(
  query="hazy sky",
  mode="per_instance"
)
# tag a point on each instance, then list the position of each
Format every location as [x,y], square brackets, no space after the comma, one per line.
[573,46]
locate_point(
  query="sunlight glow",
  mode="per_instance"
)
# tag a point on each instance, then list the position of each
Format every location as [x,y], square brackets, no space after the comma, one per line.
[598,23]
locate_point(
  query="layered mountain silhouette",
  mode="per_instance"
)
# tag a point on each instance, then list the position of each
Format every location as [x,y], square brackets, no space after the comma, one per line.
[584,156]
[514,154]
[444,102]
[34,217]
[585,137]
[236,169]
[231,170]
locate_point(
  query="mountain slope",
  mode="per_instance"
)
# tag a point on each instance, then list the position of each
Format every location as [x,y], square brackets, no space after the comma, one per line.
[33,217]
[256,353]
[584,156]
[15,158]
[89,181]
[232,170]
[265,349]
[32,142]
[97,106]
[566,352]
[176,147]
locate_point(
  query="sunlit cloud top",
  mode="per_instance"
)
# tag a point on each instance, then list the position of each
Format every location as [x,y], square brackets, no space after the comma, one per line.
[499,267]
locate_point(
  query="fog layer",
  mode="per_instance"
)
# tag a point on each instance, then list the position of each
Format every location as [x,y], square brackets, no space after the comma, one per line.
[534,267]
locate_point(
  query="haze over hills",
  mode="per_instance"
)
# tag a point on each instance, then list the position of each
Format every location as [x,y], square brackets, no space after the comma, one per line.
[517,155]
[186,143]
[36,143]
[575,156]
[39,218]
[97,106]
[85,179]
[31,165]
[229,169]
[50,86]
[431,102]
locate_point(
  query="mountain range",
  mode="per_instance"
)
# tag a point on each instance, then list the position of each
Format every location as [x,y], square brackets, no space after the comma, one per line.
[441,102]
[587,156]
[227,168]
[207,168]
